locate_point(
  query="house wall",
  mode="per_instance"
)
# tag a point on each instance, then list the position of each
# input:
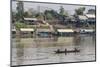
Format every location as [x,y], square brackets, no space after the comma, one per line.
[26,34]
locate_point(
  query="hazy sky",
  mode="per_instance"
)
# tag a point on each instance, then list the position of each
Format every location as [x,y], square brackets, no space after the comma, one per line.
[43,6]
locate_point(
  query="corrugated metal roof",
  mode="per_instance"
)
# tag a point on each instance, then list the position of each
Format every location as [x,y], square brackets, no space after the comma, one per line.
[26,29]
[82,17]
[65,30]
[72,18]
[30,18]
[87,30]
[90,15]
[13,29]
[43,30]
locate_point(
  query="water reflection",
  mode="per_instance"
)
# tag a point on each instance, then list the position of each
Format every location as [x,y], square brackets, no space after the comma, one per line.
[39,50]
[20,51]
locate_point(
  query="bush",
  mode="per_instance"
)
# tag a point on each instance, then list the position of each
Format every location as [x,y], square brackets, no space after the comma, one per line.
[20,25]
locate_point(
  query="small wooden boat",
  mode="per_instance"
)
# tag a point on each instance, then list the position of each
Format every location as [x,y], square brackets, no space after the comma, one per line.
[67,51]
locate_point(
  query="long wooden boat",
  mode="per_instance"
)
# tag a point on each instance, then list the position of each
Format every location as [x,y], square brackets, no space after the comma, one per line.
[67,51]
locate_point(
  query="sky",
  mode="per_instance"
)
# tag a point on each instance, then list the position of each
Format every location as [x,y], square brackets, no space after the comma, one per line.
[44,6]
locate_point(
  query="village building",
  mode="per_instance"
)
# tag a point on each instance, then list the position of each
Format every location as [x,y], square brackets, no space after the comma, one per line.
[13,31]
[44,32]
[30,21]
[72,19]
[65,32]
[91,18]
[87,31]
[26,32]
[81,20]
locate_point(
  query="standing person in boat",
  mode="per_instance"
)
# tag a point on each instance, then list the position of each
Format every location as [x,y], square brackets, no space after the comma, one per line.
[65,51]
[58,50]
[75,49]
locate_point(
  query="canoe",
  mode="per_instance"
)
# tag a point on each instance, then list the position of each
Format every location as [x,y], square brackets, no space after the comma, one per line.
[67,51]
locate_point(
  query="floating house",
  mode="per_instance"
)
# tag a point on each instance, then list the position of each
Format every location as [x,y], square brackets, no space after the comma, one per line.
[26,32]
[91,18]
[87,31]
[72,19]
[65,32]
[81,20]
[30,21]
[13,32]
[44,32]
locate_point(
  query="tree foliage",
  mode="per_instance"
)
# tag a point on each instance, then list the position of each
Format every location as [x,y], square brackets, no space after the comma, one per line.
[51,14]
[26,14]
[20,25]
[19,14]
[80,11]
[63,12]
[39,16]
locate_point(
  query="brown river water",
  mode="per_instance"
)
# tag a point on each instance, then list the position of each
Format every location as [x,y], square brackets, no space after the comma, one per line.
[41,50]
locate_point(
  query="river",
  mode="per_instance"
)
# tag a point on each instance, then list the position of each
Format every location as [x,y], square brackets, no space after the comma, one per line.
[39,50]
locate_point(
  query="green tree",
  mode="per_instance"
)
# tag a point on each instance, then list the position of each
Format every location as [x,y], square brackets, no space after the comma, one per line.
[80,11]
[19,14]
[51,14]
[48,14]
[26,14]
[20,25]
[40,16]
[55,14]
[61,11]
[13,16]
[31,12]
[62,14]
